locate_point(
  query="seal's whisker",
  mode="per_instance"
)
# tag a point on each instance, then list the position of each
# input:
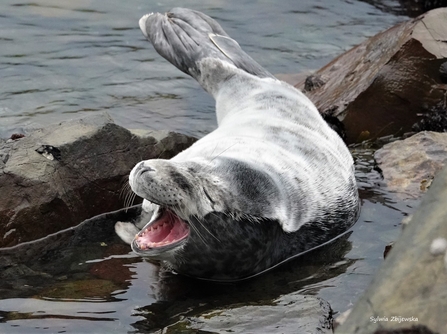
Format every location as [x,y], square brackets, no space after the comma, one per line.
[132,199]
[124,188]
[163,151]
[214,149]
[129,197]
[203,225]
[223,151]
[208,164]
[181,213]
[198,232]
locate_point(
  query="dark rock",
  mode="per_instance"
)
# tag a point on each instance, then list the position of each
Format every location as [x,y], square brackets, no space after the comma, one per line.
[336,125]
[313,82]
[37,268]
[409,166]
[91,288]
[417,7]
[387,249]
[59,176]
[16,136]
[411,8]
[380,87]
[412,282]
[443,72]
[433,120]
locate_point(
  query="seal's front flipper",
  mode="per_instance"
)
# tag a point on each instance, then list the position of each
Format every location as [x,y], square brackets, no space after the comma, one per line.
[189,39]
[126,231]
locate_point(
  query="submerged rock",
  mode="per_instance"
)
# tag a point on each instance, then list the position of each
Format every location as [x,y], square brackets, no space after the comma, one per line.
[292,313]
[56,177]
[410,288]
[409,166]
[61,263]
[379,87]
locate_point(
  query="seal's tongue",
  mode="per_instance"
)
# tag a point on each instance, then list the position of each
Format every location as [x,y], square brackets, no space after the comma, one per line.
[166,230]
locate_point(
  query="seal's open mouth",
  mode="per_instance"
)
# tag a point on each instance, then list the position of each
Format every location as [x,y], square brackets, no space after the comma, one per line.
[166,230]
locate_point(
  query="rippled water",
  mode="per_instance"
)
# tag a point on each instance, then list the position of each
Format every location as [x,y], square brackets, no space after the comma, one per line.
[64,59]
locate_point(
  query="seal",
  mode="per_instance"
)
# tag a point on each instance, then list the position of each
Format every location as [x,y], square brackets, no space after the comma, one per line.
[271,182]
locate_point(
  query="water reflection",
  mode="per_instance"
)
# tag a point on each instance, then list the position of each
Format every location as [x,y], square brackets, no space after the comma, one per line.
[79,278]
[86,275]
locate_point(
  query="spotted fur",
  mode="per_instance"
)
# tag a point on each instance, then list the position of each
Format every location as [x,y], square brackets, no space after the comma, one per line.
[272,181]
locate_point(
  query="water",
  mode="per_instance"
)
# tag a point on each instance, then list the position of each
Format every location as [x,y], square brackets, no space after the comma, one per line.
[86,280]
[65,59]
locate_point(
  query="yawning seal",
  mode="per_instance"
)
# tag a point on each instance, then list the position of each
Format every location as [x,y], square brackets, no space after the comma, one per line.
[271,182]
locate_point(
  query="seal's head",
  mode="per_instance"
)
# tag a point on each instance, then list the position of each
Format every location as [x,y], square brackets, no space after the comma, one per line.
[209,219]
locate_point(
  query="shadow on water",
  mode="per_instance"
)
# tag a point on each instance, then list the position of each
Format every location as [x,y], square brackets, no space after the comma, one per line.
[85,277]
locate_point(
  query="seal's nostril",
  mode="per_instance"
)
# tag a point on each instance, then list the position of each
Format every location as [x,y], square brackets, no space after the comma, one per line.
[148,169]
[144,169]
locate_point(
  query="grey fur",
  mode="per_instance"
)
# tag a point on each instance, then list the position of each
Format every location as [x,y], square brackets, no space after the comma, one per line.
[272,181]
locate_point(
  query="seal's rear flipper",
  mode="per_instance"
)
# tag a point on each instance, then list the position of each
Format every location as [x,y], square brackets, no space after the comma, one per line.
[232,50]
[186,37]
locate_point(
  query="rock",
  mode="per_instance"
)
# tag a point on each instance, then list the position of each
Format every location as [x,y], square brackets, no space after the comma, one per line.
[39,267]
[387,249]
[417,7]
[56,177]
[411,284]
[313,82]
[381,86]
[288,314]
[409,166]
[411,8]
[433,119]
[93,288]
[443,72]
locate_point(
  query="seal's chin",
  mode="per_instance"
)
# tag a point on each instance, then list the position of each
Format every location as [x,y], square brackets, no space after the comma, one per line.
[165,232]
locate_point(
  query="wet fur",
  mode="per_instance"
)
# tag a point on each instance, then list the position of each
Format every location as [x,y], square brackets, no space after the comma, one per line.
[272,181]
